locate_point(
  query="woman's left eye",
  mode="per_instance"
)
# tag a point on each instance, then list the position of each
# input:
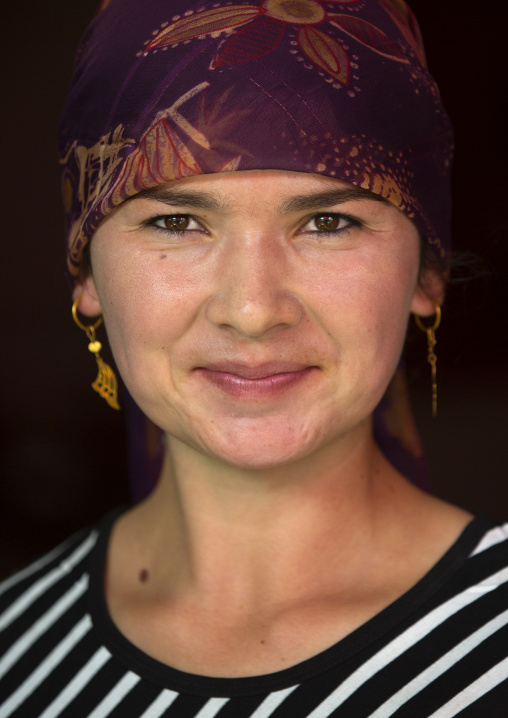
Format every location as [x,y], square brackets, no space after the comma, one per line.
[329,223]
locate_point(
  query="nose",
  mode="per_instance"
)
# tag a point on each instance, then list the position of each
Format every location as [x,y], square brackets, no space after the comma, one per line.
[252,294]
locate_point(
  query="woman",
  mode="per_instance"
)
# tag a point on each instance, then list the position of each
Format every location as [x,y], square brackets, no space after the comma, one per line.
[247,188]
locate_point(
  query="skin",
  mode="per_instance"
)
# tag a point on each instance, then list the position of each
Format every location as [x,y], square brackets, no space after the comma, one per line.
[281,496]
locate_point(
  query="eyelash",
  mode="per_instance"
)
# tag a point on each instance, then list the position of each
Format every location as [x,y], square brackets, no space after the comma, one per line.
[352,223]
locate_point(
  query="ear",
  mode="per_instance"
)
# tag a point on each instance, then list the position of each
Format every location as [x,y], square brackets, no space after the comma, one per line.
[430,289]
[89,303]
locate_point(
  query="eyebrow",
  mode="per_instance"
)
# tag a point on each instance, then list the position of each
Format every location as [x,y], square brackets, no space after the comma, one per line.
[321,200]
[176,197]
[212,202]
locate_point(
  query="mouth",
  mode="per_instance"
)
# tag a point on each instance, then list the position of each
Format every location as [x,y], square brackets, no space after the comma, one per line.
[255,382]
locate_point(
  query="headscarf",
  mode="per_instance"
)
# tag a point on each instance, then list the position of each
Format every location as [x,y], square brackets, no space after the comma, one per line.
[164,90]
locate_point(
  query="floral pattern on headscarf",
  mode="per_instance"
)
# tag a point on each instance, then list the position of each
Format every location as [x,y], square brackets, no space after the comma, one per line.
[255,30]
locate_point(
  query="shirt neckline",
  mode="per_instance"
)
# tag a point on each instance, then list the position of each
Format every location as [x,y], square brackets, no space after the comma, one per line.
[372,630]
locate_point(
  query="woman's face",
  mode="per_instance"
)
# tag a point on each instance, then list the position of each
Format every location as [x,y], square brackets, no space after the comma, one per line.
[257,316]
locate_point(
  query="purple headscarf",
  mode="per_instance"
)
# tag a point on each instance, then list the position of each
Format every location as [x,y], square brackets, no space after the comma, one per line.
[164,90]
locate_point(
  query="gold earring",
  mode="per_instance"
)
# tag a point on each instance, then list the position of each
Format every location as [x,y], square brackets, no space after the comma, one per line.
[105,384]
[431,355]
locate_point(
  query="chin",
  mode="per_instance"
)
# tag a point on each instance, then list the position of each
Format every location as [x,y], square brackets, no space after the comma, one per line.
[265,447]
[267,458]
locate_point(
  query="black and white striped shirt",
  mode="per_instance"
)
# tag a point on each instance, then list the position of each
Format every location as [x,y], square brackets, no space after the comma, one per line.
[439,651]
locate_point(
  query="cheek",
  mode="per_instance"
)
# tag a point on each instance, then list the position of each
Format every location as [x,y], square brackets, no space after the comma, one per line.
[366,295]
[147,309]
[364,309]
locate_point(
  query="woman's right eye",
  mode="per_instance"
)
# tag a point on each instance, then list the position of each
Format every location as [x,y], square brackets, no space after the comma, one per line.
[175,223]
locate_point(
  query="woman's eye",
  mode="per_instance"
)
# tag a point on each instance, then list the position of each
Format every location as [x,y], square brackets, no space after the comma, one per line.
[175,223]
[328,222]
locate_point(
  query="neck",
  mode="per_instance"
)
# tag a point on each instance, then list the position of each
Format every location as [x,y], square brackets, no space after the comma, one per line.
[264,532]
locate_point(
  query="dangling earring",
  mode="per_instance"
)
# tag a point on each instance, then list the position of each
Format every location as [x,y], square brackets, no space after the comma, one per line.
[105,384]
[431,355]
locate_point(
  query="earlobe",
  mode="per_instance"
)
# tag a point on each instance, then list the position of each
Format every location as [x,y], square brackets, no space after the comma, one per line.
[430,289]
[423,304]
[89,303]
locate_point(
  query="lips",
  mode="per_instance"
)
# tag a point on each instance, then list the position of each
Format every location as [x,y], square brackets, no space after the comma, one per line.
[259,371]
[255,382]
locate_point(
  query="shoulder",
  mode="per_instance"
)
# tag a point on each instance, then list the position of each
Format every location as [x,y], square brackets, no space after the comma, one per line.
[465,595]
[495,536]
[46,624]
[486,567]
[42,581]
[51,583]
[480,555]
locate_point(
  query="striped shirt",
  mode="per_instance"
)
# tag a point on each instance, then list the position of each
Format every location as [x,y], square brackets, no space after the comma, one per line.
[439,651]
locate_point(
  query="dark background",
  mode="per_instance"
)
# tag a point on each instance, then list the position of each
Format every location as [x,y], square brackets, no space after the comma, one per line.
[62,449]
